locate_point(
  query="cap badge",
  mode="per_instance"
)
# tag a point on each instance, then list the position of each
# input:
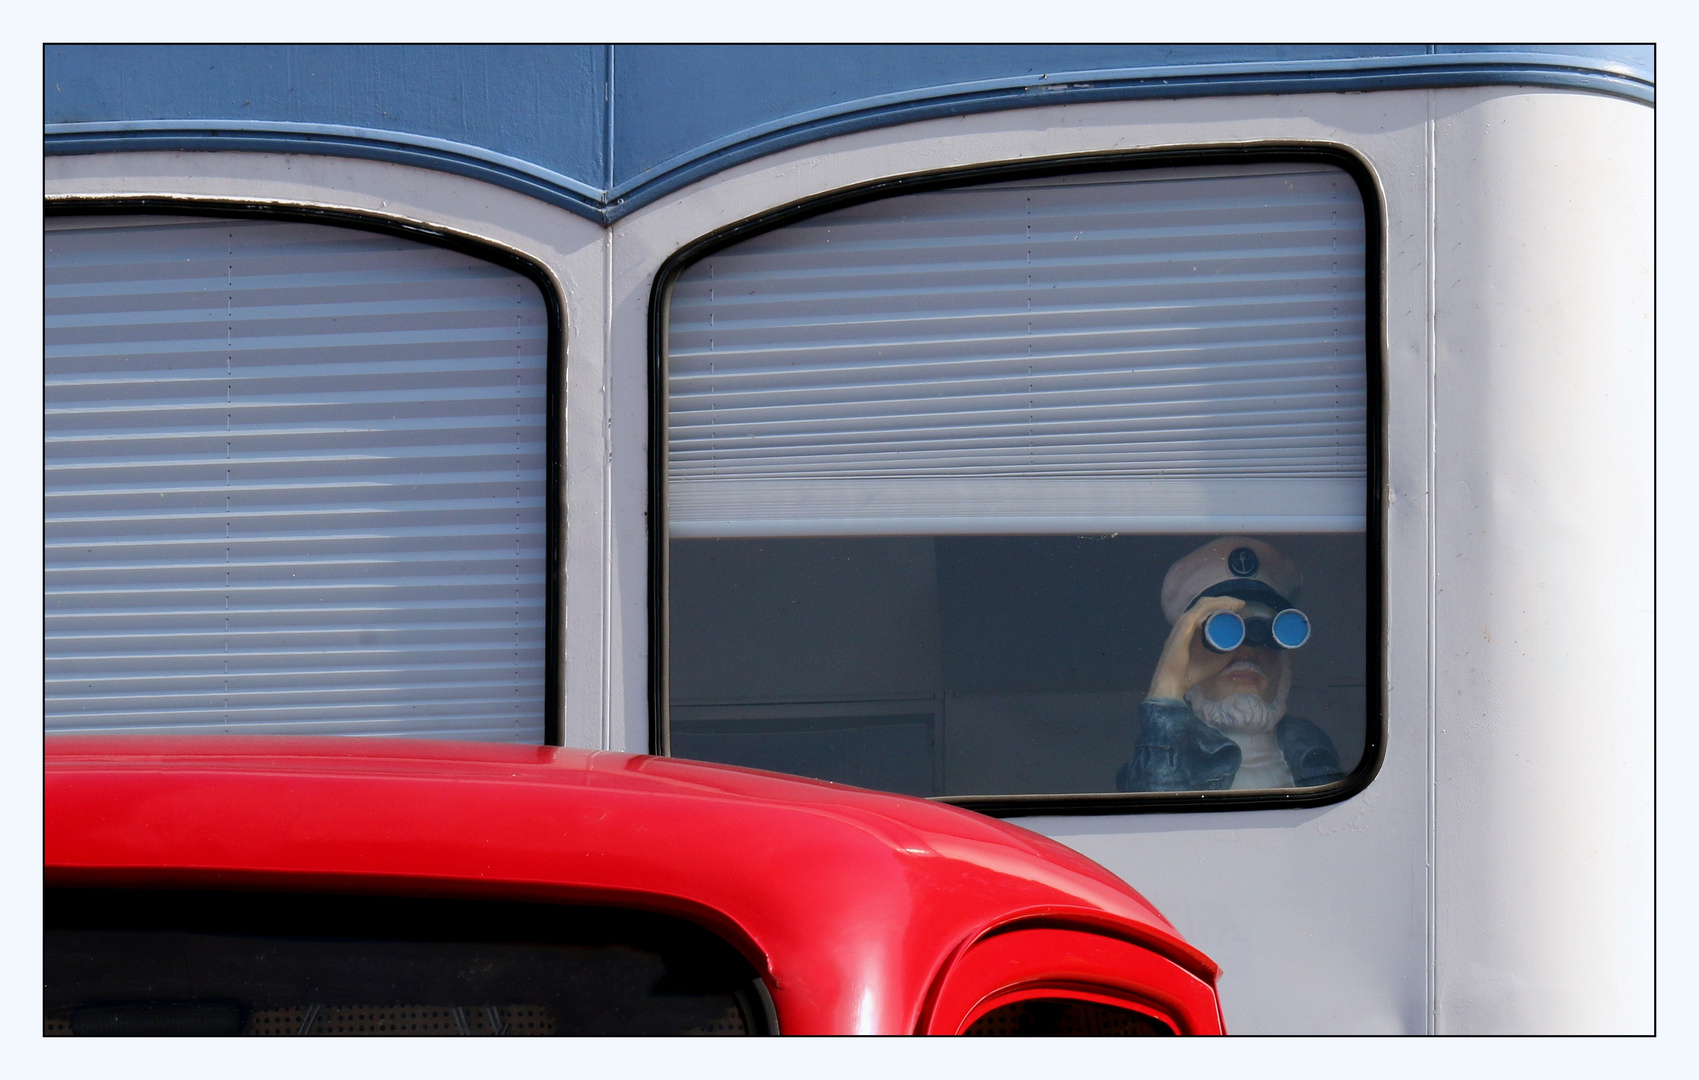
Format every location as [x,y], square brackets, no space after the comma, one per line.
[1243,562]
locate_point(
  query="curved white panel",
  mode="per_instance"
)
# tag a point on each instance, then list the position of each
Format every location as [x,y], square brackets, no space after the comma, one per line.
[1543,541]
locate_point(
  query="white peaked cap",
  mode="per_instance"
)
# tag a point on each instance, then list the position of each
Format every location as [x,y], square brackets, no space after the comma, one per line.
[1221,560]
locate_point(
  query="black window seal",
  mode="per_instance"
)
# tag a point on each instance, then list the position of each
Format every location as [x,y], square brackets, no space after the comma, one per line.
[555,376]
[1374,533]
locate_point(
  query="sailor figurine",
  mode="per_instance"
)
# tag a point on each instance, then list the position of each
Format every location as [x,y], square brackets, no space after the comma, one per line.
[1215,718]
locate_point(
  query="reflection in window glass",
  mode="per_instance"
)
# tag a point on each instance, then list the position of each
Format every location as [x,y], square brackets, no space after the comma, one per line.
[1042,487]
[981,665]
[170,962]
[1060,1016]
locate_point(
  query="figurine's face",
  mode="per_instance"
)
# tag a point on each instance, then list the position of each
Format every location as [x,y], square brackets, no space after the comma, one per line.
[1250,669]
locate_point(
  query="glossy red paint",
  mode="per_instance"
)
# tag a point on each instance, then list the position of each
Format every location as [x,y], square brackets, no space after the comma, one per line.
[1048,962]
[864,912]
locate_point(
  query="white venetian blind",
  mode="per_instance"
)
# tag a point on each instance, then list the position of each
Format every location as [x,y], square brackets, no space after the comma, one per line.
[294,482]
[1177,350]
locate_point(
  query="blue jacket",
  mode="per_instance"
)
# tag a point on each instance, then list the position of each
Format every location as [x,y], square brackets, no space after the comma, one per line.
[1176,751]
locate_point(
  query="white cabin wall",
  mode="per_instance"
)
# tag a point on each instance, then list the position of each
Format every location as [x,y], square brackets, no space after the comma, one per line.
[1320,917]
[1543,559]
[1495,876]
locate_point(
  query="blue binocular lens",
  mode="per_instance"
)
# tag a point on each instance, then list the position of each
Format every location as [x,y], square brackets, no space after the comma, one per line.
[1226,630]
[1223,631]
[1290,629]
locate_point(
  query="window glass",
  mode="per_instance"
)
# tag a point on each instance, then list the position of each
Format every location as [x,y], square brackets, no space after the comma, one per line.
[294,482]
[145,962]
[946,470]
[1062,1016]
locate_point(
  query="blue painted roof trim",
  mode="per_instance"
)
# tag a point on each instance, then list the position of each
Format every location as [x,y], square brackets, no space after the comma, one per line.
[607,204]
[438,154]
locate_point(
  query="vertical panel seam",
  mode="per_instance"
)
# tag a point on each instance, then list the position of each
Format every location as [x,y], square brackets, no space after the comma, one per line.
[607,123]
[609,621]
[1432,537]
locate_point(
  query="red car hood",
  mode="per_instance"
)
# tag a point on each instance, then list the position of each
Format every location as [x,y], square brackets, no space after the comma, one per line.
[831,891]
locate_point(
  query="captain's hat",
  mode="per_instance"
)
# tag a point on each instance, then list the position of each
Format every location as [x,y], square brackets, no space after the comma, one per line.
[1231,566]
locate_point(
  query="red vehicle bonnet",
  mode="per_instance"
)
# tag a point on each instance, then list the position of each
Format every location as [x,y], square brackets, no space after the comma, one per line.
[850,903]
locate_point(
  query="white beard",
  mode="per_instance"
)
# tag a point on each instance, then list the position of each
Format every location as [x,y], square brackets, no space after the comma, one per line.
[1243,713]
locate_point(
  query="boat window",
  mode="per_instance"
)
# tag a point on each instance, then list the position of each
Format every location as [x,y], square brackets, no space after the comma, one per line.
[1054,486]
[183,962]
[294,482]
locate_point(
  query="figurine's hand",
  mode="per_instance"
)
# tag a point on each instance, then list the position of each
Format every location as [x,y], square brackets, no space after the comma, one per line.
[1186,660]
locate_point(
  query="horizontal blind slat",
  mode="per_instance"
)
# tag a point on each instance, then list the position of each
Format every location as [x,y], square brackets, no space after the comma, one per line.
[1165,350]
[295,483]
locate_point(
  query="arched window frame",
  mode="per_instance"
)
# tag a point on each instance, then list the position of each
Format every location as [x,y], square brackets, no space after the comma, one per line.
[1374,535]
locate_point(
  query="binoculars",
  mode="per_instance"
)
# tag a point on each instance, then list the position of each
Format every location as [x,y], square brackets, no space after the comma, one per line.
[1227,630]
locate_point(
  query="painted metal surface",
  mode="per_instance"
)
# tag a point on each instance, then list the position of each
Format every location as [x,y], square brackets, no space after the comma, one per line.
[1480,882]
[1327,921]
[603,130]
[1040,962]
[1544,746]
[851,904]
